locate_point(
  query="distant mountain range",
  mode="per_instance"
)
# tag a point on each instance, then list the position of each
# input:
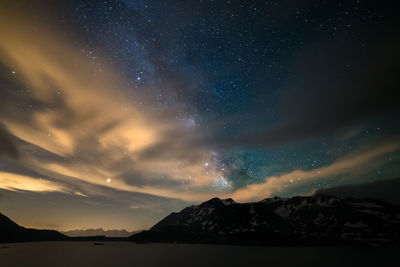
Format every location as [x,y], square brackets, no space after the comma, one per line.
[386,190]
[12,232]
[315,220]
[347,218]
[99,232]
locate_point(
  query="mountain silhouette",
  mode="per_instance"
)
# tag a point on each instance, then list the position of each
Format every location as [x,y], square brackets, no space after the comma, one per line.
[12,232]
[316,220]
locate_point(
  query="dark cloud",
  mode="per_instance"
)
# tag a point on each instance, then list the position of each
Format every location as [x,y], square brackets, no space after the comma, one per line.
[189,148]
[336,85]
[7,144]
[140,178]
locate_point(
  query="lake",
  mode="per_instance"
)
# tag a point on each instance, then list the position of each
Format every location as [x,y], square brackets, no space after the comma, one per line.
[60,254]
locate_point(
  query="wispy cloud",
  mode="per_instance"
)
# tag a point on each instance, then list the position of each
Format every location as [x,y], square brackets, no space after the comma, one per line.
[7,146]
[80,122]
[13,182]
[349,165]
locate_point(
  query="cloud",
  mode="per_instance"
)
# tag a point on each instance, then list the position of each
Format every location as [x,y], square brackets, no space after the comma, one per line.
[13,182]
[334,84]
[347,165]
[80,194]
[7,145]
[81,123]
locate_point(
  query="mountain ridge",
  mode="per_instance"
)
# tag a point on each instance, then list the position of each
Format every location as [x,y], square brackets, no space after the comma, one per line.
[12,232]
[315,220]
[98,232]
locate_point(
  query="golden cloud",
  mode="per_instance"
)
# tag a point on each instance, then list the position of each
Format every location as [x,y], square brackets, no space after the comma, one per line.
[13,182]
[89,125]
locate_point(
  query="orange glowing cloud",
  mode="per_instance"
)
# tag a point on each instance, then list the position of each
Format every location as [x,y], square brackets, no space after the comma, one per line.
[13,182]
[89,127]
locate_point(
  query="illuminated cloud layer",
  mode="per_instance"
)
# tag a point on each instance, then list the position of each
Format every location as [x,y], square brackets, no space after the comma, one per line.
[11,181]
[88,128]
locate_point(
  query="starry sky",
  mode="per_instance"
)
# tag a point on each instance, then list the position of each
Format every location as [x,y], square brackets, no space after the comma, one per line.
[115,113]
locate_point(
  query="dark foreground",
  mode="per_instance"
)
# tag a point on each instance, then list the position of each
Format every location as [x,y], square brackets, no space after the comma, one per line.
[130,254]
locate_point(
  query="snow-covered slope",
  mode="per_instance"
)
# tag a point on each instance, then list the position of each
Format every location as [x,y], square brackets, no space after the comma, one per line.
[319,219]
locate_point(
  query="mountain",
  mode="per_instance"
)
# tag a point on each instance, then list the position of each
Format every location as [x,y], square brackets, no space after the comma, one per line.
[99,232]
[386,190]
[12,232]
[315,220]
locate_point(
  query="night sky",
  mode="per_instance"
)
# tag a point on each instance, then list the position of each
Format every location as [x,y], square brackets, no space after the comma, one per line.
[114,114]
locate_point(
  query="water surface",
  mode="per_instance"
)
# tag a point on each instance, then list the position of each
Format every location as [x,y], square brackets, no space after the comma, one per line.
[62,254]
